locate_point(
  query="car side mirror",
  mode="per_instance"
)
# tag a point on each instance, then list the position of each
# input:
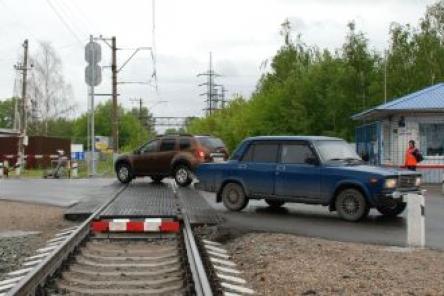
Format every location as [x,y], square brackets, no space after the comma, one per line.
[312,161]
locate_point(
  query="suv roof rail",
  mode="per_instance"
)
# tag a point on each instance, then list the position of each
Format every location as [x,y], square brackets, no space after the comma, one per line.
[175,135]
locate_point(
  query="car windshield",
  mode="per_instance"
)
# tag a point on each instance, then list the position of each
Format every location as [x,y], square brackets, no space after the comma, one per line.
[211,142]
[337,151]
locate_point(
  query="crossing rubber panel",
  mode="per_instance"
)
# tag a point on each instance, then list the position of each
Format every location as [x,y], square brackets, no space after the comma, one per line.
[196,207]
[143,199]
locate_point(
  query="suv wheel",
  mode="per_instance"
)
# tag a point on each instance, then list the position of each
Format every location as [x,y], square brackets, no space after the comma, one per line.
[274,203]
[124,173]
[182,175]
[351,205]
[233,197]
[156,179]
[392,211]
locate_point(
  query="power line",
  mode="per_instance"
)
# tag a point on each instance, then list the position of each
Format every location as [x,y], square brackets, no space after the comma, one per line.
[64,22]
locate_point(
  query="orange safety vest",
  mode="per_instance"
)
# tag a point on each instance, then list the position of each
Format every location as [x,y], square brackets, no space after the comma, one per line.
[410,159]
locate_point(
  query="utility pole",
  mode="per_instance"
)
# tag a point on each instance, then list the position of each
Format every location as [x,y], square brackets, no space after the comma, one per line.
[23,122]
[114,95]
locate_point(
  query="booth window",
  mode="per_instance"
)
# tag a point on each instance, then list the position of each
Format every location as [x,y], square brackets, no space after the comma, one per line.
[432,139]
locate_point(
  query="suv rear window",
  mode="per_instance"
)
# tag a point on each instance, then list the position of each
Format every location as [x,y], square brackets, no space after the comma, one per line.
[184,143]
[211,142]
[168,145]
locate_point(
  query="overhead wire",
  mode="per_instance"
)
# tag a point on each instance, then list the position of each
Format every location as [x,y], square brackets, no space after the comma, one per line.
[67,26]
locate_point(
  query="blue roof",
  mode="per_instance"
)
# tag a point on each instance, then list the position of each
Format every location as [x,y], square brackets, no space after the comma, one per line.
[427,99]
[290,138]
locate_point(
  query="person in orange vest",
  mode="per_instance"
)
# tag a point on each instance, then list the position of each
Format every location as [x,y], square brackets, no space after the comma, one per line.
[412,156]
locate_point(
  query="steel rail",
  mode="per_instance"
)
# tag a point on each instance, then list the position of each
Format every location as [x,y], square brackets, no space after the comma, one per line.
[202,286]
[33,283]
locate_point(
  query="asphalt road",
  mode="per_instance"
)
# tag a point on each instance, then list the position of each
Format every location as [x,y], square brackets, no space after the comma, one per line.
[62,193]
[317,221]
[306,220]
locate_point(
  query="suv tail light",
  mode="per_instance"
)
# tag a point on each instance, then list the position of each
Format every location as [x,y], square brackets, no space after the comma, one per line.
[200,154]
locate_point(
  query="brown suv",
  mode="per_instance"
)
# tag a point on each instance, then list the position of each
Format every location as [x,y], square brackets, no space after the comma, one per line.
[170,155]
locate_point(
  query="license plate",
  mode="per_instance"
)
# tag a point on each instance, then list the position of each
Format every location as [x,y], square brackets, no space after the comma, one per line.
[218,159]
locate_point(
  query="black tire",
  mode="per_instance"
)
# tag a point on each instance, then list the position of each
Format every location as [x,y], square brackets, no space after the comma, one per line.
[351,205]
[124,174]
[273,203]
[392,211]
[182,175]
[233,197]
[156,179]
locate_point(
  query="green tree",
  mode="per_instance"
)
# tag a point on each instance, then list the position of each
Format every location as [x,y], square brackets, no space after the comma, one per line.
[131,132]
[7,108]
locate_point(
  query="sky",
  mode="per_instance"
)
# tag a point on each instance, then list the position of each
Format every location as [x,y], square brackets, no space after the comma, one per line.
[241,34]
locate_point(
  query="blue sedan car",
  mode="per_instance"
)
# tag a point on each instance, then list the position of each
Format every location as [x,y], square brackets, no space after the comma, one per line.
[307,169]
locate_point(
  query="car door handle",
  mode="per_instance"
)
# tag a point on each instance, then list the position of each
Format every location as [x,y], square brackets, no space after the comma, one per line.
[242,166]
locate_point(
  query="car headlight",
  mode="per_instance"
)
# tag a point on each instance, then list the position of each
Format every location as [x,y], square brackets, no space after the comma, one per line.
[418,181]
[390,183]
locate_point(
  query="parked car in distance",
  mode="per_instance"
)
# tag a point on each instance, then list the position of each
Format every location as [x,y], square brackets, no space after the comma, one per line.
[312,170]
[170,155]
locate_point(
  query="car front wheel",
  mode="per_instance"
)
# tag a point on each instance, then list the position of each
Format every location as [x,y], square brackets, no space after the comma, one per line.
[351,205]
[124,173]
[182,175]
[233,197]
[392,211]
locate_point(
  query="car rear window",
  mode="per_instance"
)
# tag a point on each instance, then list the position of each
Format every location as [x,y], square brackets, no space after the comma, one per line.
[184,143]
[211,142]
[261,153]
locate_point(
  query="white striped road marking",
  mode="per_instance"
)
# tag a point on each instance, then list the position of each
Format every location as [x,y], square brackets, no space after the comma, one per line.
[45,250]
[20,271]
[70,228]
[231,294]
[223,256]
[227,270]
[208,242]
[231,278]
[6,287]
[32,263]
[57,239]
[237,288]
[10,281]
[215,249]
[39,256]
[65,233]
[53,244]
[223,262]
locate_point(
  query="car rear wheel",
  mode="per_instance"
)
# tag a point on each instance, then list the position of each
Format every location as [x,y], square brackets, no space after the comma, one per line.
[156,179]
[233,197]
[124,174]
[351,205]
[182,175]
[392,211]
[274,203]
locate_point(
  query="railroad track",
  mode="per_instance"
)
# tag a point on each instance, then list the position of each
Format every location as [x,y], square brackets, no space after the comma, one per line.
[97,258]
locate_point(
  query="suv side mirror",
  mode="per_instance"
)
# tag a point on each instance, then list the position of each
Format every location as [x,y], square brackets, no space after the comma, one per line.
[312,161]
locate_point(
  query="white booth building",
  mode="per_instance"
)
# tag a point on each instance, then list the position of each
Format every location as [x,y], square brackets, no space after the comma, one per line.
[384,136]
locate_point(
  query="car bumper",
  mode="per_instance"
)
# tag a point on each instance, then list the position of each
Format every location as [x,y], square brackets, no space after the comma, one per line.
[396,196]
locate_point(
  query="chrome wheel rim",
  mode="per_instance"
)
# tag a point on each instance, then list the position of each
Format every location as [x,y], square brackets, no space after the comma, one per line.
[182,175]
[123,173]
[350,205]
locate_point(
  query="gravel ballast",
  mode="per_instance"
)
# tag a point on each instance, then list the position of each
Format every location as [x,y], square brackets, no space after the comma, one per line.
[280,264]
[24,228]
